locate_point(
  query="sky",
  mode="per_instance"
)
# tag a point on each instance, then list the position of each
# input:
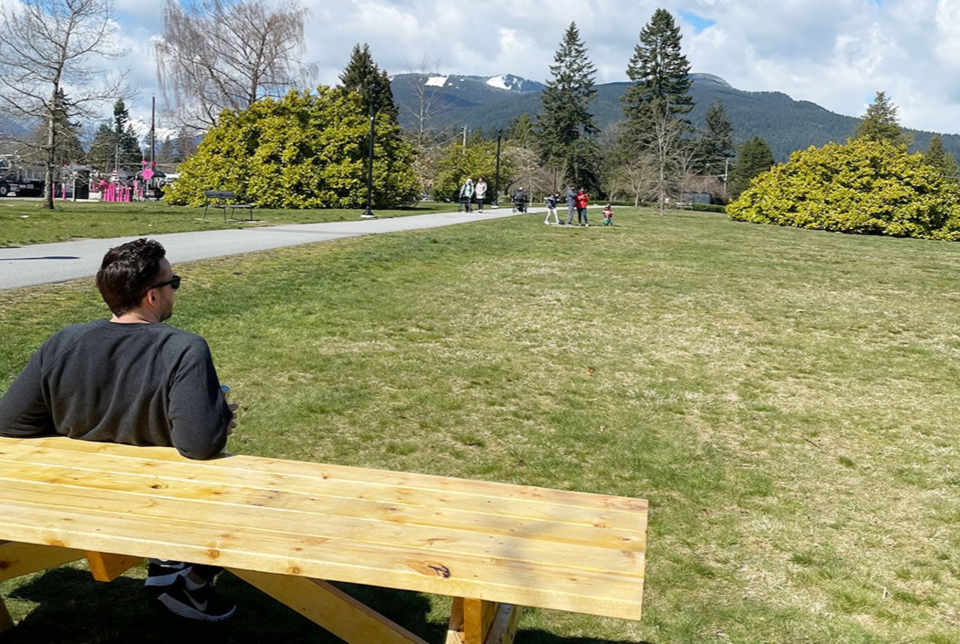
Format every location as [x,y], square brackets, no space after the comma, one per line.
[836,53]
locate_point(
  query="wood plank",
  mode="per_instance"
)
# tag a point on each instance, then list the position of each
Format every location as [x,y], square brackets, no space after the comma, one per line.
[6,622]
[18,559]
[455,625]
[260,488]
[361,476]
[529,545]
[491,578]
[331,608]
[478,616]
[601,535]
[107,567]
[505,626]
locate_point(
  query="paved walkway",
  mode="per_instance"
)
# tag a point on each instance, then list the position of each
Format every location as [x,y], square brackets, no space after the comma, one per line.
[43,263]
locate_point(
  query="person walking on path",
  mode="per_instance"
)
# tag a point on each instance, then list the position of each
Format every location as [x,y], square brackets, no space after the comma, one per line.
[552,208]
[466,194]
[480,190]
[132,379]
[582,201]
[571,204]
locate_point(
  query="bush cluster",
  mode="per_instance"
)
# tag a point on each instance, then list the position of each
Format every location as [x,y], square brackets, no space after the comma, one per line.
[863,186]
[302,151]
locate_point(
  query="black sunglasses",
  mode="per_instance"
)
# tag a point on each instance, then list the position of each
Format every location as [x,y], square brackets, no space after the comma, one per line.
[173,283]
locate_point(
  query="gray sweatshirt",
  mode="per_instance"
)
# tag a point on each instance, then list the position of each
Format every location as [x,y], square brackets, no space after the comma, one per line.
[139,384]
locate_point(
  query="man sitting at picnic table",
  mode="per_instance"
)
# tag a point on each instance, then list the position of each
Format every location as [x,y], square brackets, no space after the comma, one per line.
[134,380]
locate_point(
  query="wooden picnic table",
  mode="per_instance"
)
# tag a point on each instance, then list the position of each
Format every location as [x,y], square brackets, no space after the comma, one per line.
[289,527]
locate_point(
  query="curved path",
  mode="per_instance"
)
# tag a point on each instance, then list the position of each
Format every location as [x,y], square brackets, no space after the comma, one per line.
[62,261]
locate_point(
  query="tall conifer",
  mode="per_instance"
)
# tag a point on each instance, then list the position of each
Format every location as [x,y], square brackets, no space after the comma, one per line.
[660,74]
[715,141]
[753,159]
[362,75]
[881,122]
[567,130]
[942,160]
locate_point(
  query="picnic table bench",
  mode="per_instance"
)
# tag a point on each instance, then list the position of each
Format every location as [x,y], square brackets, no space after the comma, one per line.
[225,200]
[289,527]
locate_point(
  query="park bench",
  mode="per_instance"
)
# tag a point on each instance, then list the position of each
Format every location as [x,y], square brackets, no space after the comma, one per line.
[225,200]
[290,527]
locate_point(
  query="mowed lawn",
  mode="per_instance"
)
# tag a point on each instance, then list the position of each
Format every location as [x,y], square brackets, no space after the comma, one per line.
[25,221]
[788,401]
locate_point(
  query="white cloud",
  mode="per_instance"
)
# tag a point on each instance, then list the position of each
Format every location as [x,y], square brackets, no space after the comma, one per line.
[836,53]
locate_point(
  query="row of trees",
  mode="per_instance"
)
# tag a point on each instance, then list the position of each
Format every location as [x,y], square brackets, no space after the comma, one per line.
[56,71]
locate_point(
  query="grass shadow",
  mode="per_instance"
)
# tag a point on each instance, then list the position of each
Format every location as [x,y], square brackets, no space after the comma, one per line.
[71,608]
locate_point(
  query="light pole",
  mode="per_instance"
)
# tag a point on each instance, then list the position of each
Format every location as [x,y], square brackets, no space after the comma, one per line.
[368,213]
[496,184]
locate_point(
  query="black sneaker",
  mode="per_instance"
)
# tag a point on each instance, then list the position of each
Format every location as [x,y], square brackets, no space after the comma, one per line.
[162,573]
[201,604]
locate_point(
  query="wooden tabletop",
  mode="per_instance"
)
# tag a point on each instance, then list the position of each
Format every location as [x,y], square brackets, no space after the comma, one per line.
[515,544]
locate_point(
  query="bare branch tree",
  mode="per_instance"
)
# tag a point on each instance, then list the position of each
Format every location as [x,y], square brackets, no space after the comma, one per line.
[635,178]
[427,104]
[48,75]
[219,54]
[666,138]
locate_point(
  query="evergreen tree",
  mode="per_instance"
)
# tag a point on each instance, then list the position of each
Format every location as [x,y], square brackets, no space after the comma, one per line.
[521,131]
[660,73]
[127,152]
[942,160]
[362,75]
[880,123]
[754,159]
[566,129]
[715,141]
[102,152]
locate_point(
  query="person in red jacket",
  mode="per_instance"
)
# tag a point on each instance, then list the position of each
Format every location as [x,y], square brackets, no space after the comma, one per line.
[582,201]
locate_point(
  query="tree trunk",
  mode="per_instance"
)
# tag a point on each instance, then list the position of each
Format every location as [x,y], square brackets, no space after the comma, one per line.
[49,156]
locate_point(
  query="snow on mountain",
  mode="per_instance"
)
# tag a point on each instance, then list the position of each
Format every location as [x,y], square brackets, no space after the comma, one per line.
[500,82]
[508,82]
[142,129]
[436,81]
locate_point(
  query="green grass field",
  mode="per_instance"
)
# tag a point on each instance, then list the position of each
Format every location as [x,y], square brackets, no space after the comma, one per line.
[24,221]
[787,400]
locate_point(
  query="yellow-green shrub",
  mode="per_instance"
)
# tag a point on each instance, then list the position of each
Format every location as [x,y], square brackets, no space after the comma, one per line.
[302,151]
[864,186]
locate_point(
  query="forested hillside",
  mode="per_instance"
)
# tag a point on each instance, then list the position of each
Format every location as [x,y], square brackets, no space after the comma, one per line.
[785,124]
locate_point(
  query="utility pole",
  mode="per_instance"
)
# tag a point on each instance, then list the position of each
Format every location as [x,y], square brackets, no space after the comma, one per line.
[496,186]
[368,213]
[464,136]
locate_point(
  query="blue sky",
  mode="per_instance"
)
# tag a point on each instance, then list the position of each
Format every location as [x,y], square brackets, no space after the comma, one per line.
[836,53]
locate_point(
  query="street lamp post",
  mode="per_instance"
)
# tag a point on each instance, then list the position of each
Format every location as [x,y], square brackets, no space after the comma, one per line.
[496,185]
[368,213]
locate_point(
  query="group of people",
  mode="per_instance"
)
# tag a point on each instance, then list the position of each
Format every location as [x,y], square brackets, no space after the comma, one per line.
[470,191]
[576,201]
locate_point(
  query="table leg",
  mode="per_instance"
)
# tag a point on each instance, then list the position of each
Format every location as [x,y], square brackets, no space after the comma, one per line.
[474,621]
[6,622]
[18,559]
[331,608]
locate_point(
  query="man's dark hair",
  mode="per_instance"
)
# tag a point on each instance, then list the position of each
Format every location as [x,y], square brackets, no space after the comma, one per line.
[127,272]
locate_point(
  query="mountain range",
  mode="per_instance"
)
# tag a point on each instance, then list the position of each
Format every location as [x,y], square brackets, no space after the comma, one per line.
[488,103]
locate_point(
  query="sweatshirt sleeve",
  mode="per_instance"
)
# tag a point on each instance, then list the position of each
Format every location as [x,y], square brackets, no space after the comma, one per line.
[199,415]
[23,409]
